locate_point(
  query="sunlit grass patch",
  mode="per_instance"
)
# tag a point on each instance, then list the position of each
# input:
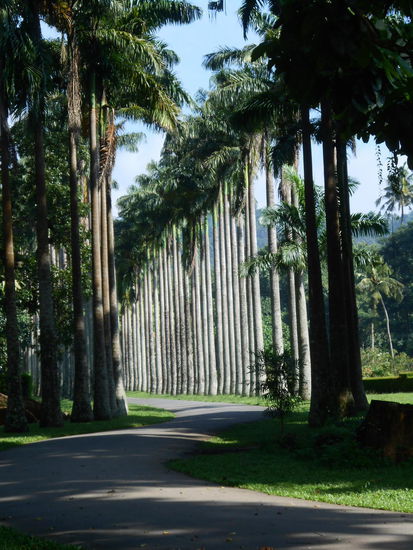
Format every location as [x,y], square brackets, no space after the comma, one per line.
[138,416]
[324,465]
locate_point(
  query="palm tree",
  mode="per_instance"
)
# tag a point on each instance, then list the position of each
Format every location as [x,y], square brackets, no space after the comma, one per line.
[15,417]
[399,191]
[377,282]
[51,414]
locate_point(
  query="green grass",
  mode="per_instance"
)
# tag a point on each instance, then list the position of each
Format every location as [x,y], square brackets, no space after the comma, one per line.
[300,464]
[214,398]
[138,416]
[13,540]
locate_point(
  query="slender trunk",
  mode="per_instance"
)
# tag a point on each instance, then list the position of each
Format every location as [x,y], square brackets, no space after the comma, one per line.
[226,371]
[372,336]
[356,377]
[387,327]
[157,325]
[106,294]
[182,337]
[82,409]
[251,338]
[337,311]
[204,317]
[243,309]
[101,402]
[120,395]
[177,320]
[237,309]
[150,328]
[321,405]
[288,196]
[163,322]
[51,414]
[218,302]
[212,367]
[304,383]
[255,280]
[230,300]
[276,321]
[167,317]
[197,352]
[142,337]
[189,333]
[172,321]
[15,417]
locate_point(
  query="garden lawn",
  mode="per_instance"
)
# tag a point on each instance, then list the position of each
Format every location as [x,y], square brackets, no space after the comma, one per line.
[242,400]
[316,464]
[13,540]
[138,416]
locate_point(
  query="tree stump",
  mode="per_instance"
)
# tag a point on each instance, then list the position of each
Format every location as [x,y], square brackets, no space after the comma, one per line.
[388,427]
[32,409]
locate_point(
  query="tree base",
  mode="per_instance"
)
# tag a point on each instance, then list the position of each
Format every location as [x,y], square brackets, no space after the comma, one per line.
[388,427]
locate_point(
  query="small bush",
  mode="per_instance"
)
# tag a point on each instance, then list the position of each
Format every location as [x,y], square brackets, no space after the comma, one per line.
[279,374]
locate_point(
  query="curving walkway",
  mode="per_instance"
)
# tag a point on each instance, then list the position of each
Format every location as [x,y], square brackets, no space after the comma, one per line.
[113,491]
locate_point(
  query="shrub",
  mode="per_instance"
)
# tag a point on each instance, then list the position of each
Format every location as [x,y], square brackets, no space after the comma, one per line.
[279,373]
[376,362]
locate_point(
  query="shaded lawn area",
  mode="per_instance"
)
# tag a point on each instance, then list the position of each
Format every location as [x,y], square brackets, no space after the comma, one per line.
[13,540]
[138,416]
[316,464]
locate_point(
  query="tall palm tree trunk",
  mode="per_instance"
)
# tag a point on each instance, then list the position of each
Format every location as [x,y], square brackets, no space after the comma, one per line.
[237,308]
[15,417]
[167,317]
[276,321]
[177,320]
[212,379]
[106,293]
[250,305]
[321,402]
[204,375]
[182,336]
[230,296]
[356,376]
[189,333]
[51,414]
[101,401]
[245,346]
[337,311]
[256,291]
[218,302]
[304,382]
[120,395]
[172,322]
[82,409]
[226,371]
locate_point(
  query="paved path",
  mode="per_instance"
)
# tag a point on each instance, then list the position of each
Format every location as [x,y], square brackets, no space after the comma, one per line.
[112,491]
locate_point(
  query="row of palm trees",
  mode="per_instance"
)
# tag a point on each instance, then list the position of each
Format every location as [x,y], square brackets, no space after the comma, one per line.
[277,104]
[113,65]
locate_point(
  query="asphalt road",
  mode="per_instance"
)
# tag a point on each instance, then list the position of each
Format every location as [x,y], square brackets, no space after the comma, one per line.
[112,490]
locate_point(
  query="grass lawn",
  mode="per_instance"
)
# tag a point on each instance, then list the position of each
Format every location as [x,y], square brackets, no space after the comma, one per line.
[322,465]
[13,540]
[214,398]
[138,416]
